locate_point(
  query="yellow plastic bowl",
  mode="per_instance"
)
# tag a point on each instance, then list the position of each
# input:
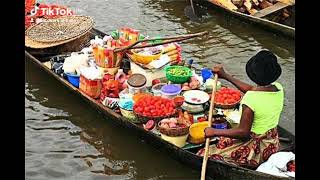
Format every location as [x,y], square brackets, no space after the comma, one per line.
[196,132]
[144,59]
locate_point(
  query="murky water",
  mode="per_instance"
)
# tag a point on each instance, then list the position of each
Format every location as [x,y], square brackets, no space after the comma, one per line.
[66,139]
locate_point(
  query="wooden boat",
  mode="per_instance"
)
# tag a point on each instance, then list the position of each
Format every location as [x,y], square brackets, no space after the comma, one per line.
[261,20]
[215,169]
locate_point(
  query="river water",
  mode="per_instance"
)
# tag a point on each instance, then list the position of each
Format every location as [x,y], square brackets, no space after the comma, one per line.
[66,139]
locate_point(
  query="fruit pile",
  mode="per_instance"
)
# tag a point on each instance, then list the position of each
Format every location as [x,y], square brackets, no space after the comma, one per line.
[174,123]
[154,106]
[227,96]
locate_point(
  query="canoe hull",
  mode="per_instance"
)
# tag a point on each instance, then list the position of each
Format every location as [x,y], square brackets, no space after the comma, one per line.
[215,169]
[287,31]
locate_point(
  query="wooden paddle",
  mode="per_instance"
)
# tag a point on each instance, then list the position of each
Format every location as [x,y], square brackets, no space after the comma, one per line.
[206,150]
[169,40]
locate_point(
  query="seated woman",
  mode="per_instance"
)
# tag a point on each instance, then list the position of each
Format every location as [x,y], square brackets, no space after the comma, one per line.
[256,137]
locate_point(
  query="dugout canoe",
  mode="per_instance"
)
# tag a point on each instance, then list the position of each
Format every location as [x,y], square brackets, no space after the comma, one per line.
[288,30]
[215,169]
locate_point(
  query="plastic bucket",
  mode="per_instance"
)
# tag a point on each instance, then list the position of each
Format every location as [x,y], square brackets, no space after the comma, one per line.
[179,141]
[73,79]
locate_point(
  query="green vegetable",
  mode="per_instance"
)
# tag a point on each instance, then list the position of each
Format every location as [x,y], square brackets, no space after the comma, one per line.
[178,72]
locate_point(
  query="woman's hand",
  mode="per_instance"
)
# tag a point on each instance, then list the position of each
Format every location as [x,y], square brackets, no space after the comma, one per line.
[218,69]
[208,132]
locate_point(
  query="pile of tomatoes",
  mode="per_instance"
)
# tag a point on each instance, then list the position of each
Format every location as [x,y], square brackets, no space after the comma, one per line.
[154,106]
[227,96]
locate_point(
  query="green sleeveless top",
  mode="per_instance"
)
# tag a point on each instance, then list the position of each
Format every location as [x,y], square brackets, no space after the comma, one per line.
[267,107]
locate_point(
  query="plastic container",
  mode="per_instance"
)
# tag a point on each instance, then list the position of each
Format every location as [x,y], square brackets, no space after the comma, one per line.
[136,83]
[206,73]
[74,79]
[178,79]
[170,91]
[179,141]
[156,89]
[196,132]
[144,59]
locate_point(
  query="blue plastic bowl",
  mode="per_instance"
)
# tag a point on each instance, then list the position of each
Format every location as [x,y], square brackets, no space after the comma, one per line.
[73,79]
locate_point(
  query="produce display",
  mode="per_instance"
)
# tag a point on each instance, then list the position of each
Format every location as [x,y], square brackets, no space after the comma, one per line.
[192,84]
[154,106]
[175,108]
[227,96]
[178,74]
[149,125]
[173,123]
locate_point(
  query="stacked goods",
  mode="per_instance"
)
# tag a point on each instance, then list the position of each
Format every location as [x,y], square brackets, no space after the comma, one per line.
[90,81]
[73,63]
[250,6]
[173,50]
[227,98]
[103,49]
[253,6]
[103,52]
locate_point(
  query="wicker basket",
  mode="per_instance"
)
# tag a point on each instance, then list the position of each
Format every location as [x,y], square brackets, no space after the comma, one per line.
[37,37]
[144,119]
[60,29]
[227,106]
[173,132]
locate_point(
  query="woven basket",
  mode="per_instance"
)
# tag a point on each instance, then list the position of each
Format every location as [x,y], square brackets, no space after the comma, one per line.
[227,106]
[60,29]
[144,119]
[69,44]
[174,132]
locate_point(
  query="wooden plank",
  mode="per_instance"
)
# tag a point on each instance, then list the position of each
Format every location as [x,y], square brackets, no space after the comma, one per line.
[269,10]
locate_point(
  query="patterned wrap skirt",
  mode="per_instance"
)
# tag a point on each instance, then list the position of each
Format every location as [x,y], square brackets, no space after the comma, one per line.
[250,154]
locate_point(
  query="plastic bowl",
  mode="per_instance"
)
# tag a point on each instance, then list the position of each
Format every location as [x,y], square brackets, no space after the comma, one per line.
[176,78]
[156,89]
[144,59]
[74,79]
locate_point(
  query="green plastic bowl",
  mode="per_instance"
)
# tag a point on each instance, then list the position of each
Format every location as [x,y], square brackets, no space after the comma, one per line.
[178,79]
